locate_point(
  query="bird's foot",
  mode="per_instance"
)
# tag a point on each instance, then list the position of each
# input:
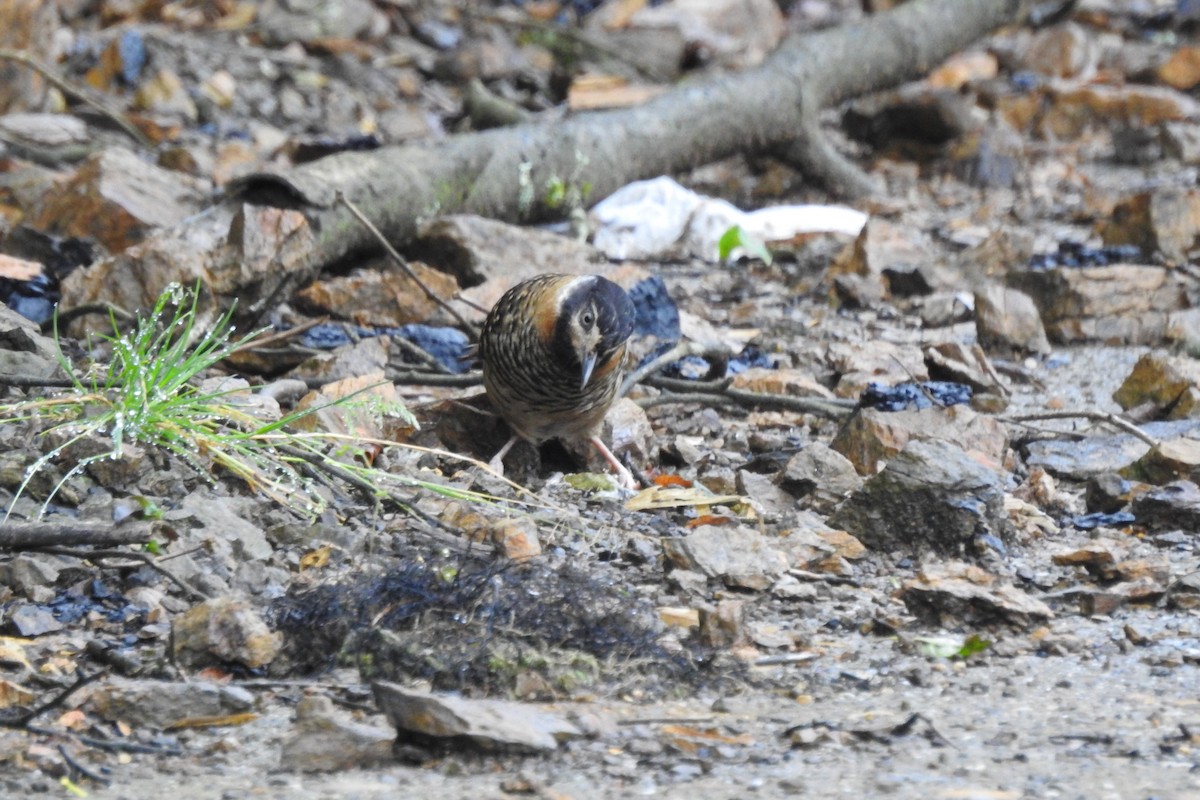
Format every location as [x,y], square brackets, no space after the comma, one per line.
[623,474]
[496,465]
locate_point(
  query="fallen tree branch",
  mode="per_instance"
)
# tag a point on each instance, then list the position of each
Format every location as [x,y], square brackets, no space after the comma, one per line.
[34,535]
[502,173]
[708,392]
[771,108]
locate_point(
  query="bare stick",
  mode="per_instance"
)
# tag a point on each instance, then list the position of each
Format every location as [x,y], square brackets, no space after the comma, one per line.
[35,382]
[680,350]
[685,398]
[420,354]
[76,766]
[78,92]
[721,393]
[54,702]
[413,378]
[340,197]
[107,309]
[1094,416]
[146,558]
[278,337]
[34,535]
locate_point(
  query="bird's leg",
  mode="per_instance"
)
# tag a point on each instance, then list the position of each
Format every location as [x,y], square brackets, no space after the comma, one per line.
[497,463]
[625,476]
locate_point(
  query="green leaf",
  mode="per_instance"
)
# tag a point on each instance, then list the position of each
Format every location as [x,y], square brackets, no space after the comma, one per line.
[737,237]
[974,644]
[556,192]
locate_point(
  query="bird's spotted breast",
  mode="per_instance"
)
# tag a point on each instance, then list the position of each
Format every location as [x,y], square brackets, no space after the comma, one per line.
[532,377]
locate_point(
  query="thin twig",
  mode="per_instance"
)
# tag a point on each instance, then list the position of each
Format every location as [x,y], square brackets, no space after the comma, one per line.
[680,350]
[71,314]
[80,93]
[466,301]
[54,702]
[121,746]
[420,354]
[833,409]
[686,398]
[721,393]
[836,580]
[471,329]
[278,337]
[86,772]
[292,683]
[1094,416]
[667,721]
[783,658]
[684,385]
[413,378]
[35,382]
[146,558]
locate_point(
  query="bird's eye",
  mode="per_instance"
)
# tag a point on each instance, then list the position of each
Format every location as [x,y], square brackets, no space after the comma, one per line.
[587,319]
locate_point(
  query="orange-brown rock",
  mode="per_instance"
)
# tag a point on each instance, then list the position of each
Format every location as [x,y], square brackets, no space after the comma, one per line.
[28,26]
[1164,221]
[1182,70]
[792,382]
[871,436]
[379,298]
[116,197]
[1117,304]
[1170,460]
[1171,384]
[1074,108]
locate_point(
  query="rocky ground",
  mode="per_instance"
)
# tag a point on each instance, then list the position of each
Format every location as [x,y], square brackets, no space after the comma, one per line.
[980,592]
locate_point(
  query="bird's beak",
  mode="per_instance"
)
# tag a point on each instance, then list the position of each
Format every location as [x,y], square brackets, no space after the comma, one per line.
[589,364]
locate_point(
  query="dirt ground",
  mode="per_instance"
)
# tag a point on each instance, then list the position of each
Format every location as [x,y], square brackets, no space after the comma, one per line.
[836,696]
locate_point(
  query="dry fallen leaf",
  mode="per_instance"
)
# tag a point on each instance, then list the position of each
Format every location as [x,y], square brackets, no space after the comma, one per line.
[316,559]
[657,497]
[213,722]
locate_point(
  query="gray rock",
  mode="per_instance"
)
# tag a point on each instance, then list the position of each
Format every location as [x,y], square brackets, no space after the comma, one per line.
[33,620]
[1007,320]
[27,572]
[738,555]
[1181,141]
[955,595]
[23,349]
[225,519]
[325,741]
[1097,455]
[160,704]
[487,724]
[1175,506]
[767,498]
[932,496]
[821,475]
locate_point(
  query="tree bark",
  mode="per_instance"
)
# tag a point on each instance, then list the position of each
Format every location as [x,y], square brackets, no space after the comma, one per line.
[770,108]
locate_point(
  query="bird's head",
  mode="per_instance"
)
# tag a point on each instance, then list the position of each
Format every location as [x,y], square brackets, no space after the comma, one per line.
[595,319]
